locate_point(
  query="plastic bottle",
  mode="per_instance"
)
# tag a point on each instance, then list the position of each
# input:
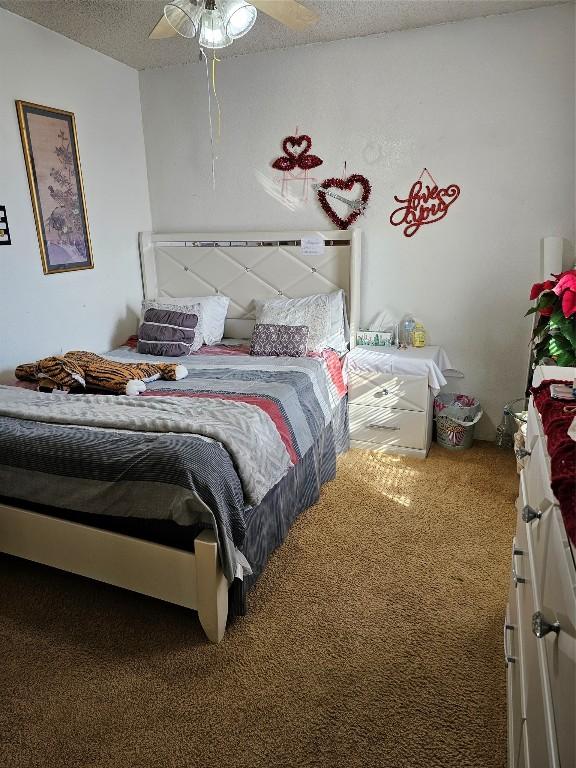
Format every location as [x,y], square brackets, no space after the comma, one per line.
[419,335]
[408,325]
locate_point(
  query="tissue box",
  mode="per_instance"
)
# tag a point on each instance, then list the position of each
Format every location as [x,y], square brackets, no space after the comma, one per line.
[374,338]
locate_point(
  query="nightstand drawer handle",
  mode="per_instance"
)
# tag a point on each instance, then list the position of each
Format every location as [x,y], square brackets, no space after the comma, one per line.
[382,426]
[541,627]
[529,514]
[381,393]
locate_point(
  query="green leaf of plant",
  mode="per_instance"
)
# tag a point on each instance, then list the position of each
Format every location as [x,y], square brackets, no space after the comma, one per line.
[541,350]
[546,300]
[557,317]
[540,355]
[559,344]
[540,327]
[569,331]
[567,359]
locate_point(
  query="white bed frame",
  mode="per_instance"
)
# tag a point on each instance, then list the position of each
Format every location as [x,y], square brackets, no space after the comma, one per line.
[244,266]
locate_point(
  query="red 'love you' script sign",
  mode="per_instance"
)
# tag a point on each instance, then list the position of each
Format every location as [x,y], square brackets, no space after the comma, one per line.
[425,204]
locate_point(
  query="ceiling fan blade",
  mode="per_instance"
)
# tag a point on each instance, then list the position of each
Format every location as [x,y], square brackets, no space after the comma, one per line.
[162,30]
[288,12]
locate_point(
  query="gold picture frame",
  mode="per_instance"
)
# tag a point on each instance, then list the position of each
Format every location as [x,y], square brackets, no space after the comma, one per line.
[52,159]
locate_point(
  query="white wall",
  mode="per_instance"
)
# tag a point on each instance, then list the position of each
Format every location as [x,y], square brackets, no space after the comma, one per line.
[90,309]
[487,104]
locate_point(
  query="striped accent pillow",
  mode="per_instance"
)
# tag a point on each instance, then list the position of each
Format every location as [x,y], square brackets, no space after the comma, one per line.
[168,333]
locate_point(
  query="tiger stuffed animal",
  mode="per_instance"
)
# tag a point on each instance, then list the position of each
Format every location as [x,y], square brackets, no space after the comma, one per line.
[82,370]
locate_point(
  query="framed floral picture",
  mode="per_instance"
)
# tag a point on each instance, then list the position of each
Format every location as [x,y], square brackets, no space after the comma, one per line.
[55,179]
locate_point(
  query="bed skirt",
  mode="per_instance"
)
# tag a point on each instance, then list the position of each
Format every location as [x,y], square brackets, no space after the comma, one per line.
[269,522]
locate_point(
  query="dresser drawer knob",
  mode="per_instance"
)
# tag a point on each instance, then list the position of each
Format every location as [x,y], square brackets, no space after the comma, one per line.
[381,393]
[529,514]
[541,627]
[382,426]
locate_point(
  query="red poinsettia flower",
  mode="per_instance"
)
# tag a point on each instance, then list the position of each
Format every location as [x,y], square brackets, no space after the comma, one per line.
[565,288]
[539,288]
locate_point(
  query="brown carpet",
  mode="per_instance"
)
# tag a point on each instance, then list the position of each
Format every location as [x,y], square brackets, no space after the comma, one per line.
[374,640]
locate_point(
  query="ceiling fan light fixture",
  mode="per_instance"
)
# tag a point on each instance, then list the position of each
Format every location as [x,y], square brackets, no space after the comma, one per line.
[212,30]
[239,17]
[183,16]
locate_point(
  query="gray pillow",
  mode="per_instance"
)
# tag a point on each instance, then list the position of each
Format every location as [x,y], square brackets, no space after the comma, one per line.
[269,340]
[168,333]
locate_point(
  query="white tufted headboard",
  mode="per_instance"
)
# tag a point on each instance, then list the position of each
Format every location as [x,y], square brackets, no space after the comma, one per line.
[251,265]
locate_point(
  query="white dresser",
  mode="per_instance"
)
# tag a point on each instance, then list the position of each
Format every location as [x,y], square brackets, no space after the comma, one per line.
[390,395]
[540,624]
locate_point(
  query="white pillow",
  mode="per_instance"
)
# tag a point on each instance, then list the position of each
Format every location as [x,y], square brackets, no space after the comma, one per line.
[311,311]
[213,312]
[339,332]
[334,335]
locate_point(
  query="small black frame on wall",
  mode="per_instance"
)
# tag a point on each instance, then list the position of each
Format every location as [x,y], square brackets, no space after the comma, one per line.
[4,231]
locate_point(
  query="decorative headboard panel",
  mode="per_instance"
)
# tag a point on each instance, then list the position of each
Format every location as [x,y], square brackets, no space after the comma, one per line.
[251,265]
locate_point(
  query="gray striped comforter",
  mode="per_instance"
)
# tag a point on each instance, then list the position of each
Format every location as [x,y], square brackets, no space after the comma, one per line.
[204,449]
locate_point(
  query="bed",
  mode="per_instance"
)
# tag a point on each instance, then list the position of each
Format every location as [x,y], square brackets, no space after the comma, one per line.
[187,515]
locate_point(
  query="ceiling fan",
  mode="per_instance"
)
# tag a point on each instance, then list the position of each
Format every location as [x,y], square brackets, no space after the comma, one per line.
[220,22]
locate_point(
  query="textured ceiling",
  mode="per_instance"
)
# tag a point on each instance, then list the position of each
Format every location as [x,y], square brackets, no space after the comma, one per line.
[120,28]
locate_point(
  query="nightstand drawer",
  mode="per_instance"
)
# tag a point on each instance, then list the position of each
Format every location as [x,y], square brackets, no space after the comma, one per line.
[384,390]
[387,426]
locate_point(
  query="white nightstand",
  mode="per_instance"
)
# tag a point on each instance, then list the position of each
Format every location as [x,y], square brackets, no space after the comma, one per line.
[390,395]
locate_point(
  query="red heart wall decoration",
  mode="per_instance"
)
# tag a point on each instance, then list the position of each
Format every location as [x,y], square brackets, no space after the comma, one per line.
[326,191]
[294,146]
[296,150]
